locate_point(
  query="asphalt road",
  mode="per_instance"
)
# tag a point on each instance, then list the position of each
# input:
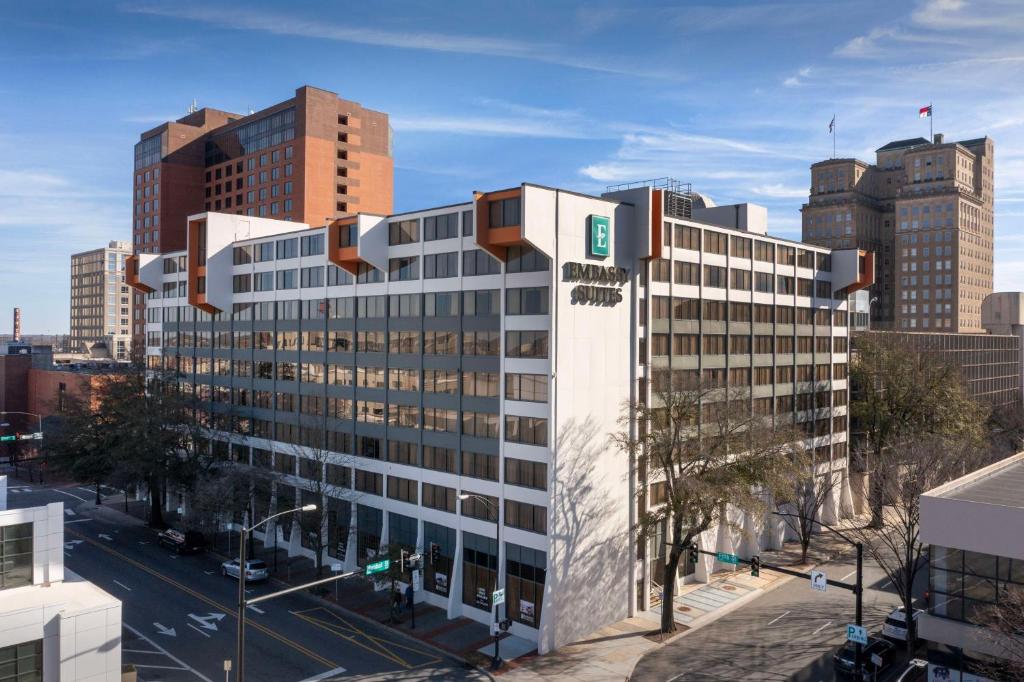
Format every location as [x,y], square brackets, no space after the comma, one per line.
[179,613]
[790,634]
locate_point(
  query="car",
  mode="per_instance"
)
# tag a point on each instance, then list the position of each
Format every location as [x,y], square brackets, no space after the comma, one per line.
[895,627]
[182,542]
[255,570]
[845,658]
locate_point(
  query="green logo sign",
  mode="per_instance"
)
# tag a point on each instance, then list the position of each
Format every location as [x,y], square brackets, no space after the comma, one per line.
[378,566]
[600,235]
[728,558]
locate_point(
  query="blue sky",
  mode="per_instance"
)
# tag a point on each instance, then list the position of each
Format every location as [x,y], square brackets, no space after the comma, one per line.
[733,97]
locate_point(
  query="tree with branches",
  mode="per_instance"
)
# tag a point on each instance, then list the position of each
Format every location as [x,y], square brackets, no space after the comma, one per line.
[317,484]
[901,395]
[1003,624]
[81,444]
[896,546]
[801,503]
[708,450]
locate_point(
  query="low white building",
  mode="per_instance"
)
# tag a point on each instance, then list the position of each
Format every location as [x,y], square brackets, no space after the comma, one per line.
[54,625]
[977,553]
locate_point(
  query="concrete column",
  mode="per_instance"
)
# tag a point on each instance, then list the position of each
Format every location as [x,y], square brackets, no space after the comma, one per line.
[352,545]
[455,581]
[845,494]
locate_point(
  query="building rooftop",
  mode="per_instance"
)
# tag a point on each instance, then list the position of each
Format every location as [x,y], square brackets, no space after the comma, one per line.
[999,484]
[903,144]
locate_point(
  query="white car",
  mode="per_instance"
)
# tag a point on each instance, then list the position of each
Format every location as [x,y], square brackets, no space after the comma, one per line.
[895,627]
[255,570]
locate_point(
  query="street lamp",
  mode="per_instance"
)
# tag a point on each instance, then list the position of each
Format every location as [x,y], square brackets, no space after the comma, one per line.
[243,533]
[858,590]
[496,661]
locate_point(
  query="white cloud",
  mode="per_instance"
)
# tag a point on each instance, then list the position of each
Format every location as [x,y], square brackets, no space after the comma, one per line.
[780,191]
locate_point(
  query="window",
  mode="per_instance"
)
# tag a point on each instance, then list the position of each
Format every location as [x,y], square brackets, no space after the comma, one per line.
[526,344]
[526,516]
[687,237]
[439,419]
[441,227]
[242,255]
[440,343]
[263,281]
[313,245]
[525,473]
[504,212]
[403,489]
[527,301]
[716,242]
[286,279]
[403,342]
[764,251]
[481,343]
[740,247]
[527,430]
[15,556]
[24,662]
[479,262]
[479,465]
[479,562]
[404,232]
[527,387]
[369,482]
[480,384]
[287,248]
[439,497]
[526,259]
[764,282]
[480,424]
[439,459]
[402,269]
[404,305]
[312,277]
[739,279]
[241,283]
[686,273]
[714,276]
[440,265]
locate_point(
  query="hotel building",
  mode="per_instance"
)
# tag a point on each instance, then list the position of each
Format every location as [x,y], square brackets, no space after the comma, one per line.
[487,348]
[311,158]
[926,209]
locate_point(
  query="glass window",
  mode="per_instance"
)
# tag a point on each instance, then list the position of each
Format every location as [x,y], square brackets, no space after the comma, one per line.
[15,555]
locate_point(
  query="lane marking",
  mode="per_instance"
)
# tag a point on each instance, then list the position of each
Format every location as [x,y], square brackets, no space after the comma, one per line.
[885,584]
[65,492]
[138,651]
[822,628]
[327,675]
[230,610]
[160,667]
[168,654]
[258,610]
[123,585]
[379,645]
[777,619]
[204,634]
[854,571]
[78,521]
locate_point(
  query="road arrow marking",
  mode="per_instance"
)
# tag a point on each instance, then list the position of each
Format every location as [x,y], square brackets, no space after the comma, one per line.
[104,536]
[205,621]
[70,544]
[165,631]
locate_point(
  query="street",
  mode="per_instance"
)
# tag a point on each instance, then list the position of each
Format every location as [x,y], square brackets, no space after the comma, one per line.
[179,611]
[790,633]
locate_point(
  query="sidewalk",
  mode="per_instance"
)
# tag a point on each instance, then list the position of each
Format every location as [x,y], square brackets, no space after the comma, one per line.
[612,652]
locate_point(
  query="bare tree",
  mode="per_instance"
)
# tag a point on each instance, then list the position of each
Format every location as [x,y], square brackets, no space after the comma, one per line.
[319,481]
[901,394]
[914,468]
[803,502]
[1004,629]
[707,450]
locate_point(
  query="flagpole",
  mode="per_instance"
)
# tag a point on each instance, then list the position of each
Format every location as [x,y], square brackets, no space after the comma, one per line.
[833,136]
[931,122]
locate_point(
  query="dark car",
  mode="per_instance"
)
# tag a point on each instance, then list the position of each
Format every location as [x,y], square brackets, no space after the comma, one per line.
[845,659]
[182,542]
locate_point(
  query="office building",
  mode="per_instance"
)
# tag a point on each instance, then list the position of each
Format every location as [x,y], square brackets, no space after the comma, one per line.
[926,209]
[101,305]
[975,557]
[486,349]
[988,364]
[1003,313]
[55,626]
[311,158]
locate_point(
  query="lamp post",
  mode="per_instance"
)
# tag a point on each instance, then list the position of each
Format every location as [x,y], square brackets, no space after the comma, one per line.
[243,533]
[858,591]
[496,661]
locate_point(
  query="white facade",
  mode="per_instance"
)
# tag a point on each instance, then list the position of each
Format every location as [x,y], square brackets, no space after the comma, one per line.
[596,313]
[77,625]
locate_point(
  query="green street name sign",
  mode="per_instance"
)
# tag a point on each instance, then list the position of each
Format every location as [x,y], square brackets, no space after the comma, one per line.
[378,566]
[600,235]
[4,439]
[727,558]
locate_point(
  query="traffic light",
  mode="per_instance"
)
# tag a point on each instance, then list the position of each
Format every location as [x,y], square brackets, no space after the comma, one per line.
[693,553]
[755,566]
[435,554]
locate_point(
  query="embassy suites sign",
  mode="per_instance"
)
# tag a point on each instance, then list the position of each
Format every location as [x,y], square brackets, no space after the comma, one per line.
[598,284]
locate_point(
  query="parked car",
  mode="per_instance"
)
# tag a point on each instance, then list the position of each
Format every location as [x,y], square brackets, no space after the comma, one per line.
[182,542]
[255,570]
[845,659]
[895,627]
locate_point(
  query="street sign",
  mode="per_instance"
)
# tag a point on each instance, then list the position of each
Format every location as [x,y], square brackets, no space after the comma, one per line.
[877,660]
[38,435]
[4,439]
[378,566]
[727,558]
[857,634]
[819,581]
[417,580]
[27,436]
[337,568]
[498,597]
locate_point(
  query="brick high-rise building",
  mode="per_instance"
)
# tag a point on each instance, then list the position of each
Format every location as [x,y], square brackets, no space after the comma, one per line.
[310,159]
[101,304]
[926,209]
